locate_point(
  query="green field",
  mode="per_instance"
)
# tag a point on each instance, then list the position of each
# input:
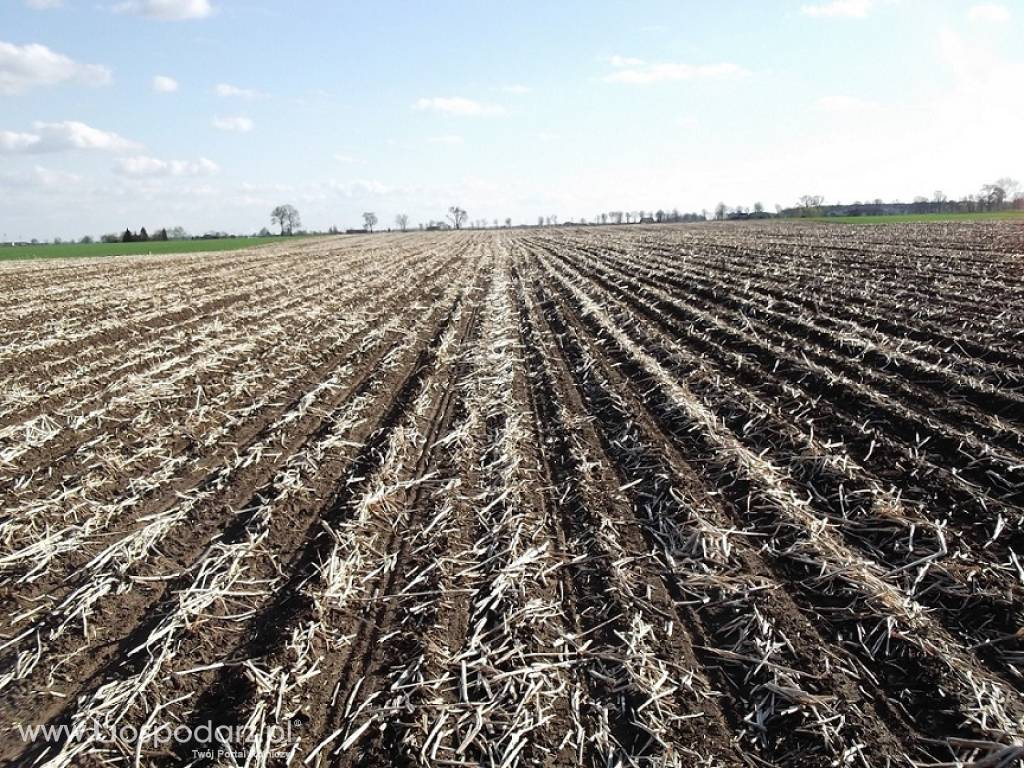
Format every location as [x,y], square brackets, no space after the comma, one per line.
[911,218]
[72,250]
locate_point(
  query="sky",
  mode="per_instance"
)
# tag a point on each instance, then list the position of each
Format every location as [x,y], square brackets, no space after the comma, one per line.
[206,114]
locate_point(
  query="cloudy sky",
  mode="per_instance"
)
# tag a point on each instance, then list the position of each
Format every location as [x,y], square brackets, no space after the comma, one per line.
[207,113]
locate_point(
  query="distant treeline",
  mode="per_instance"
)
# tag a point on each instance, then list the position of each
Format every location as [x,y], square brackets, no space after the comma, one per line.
[142,236]
[174,233]
[660,216]
[1004,194]
[879,208]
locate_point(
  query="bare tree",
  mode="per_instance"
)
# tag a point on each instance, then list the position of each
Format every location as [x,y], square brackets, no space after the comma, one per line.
[508,221]
[369,221]
[457,216]
[758,208]
[287,217]
[1012,187]
[811,204]
[402,221]
[994,196]
[720,210]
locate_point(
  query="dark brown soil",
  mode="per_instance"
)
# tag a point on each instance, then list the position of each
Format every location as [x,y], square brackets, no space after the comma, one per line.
[638,496]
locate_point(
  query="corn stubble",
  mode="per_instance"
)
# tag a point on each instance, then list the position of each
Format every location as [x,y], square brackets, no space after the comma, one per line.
[673,496]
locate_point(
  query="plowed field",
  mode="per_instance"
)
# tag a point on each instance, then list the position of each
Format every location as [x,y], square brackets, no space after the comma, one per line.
[629,496]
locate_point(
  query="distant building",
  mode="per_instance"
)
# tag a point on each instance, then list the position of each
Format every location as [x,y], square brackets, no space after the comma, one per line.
[355,231]
[647,220]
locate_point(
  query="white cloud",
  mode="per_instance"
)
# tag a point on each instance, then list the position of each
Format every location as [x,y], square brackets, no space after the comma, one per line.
[844,104]
[889,150]
[11,141]
[59,137]
[345,158]
[227,90]
[42,5]
[164,84]
[23,67]
[167,10]
[517,89]
[457,105]
[989,12]
[361,188]
[249,187]
[140,165]
[39,178]
[625,61]
[851,9]
[49,179]
[637,72]
[234,124]
[450,139]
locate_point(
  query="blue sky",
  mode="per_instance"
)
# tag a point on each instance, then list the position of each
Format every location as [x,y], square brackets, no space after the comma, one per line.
[518,110]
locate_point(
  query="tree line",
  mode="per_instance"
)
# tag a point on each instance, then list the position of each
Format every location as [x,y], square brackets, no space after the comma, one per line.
[287,217]
[1004,194]
[142,236]
[1001,195]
